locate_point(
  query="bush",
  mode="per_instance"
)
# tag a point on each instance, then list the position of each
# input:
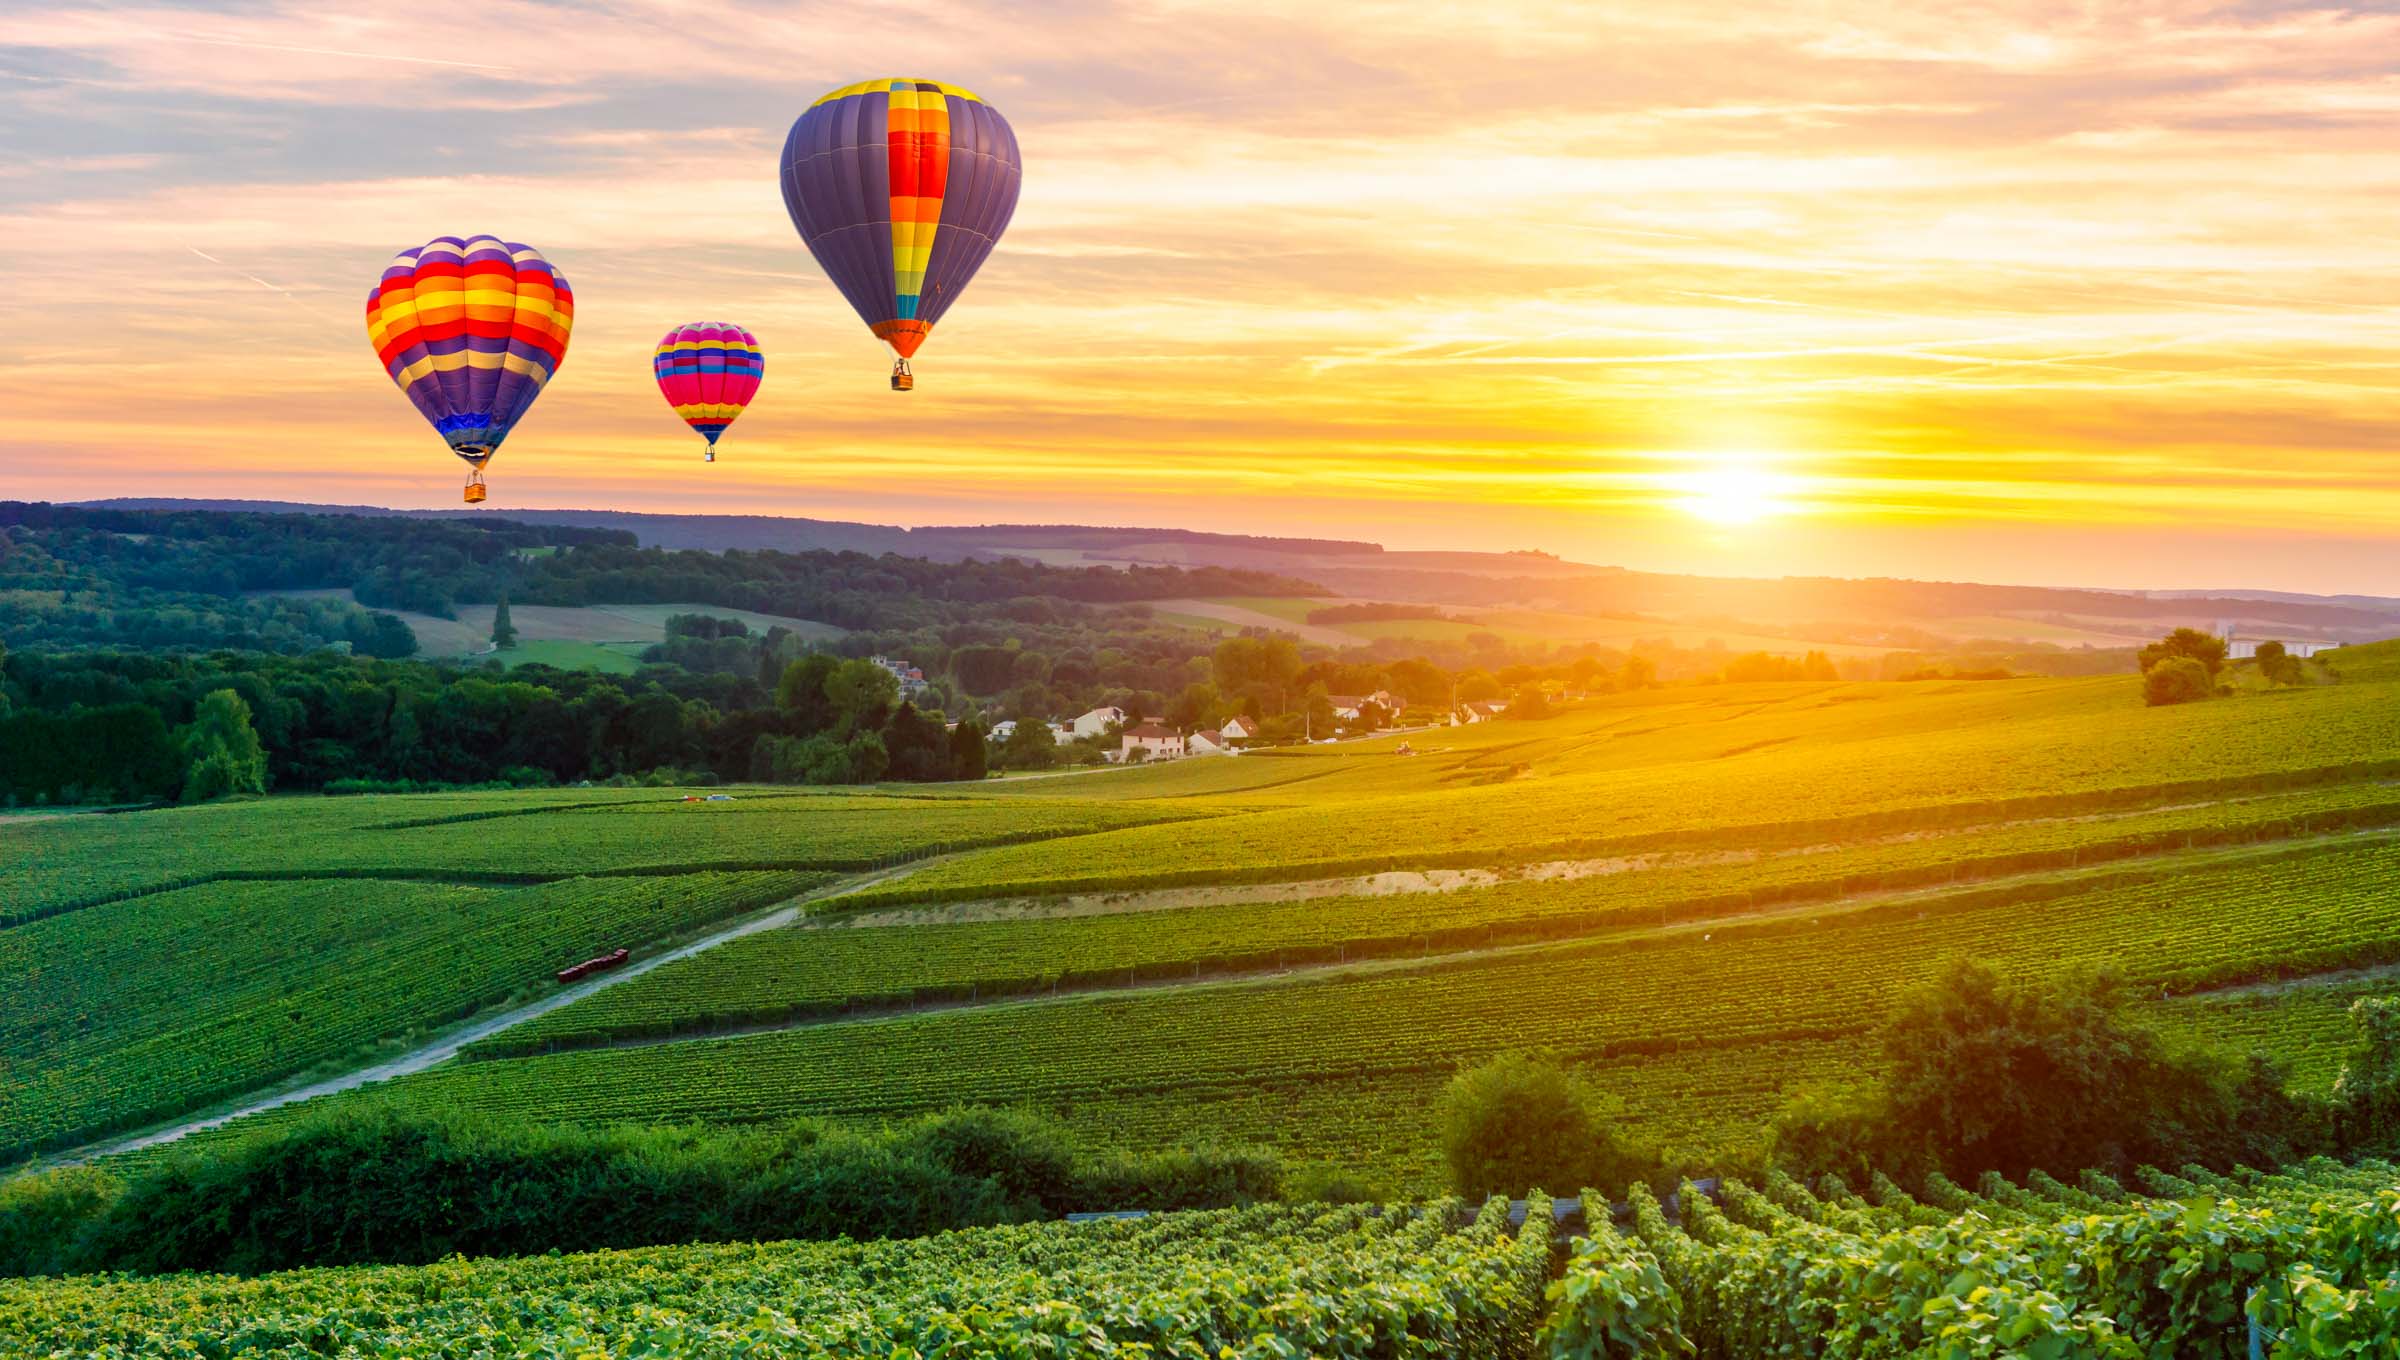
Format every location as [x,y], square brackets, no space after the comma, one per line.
[1989,1075]
[2368,1090]
[1520,1123]
[379,1184]
[44,1216]
[2176,680]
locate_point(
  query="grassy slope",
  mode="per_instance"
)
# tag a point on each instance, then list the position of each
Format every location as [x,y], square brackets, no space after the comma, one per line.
[617,630]
[182,955]
[1843,782]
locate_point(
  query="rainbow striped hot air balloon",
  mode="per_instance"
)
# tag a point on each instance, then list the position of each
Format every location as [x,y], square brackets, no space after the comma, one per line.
[709,371]
[900,188]
[471,329]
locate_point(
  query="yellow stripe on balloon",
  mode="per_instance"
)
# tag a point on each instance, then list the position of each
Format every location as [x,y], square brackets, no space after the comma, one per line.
[885,85]
[451,363]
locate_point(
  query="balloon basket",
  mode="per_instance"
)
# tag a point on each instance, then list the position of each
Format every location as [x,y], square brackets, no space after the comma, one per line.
[708,455]
[902,379]
[475,492]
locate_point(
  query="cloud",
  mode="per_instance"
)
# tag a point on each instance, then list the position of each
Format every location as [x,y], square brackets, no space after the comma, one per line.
[1376,264]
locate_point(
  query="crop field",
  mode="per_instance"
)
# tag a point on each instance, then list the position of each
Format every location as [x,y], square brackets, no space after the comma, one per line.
[1829,761]
[1264,1282]
[1703,899]
[64,864]
[183,956]
[2179,1264]
[785,974]
[148,1007]
[1676,994]
[610,636]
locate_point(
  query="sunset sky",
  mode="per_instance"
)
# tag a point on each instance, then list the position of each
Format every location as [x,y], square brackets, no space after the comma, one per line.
[2097,294]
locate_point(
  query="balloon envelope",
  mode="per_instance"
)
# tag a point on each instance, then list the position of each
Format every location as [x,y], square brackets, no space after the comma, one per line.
[709,371]
[471,328]
[900,188]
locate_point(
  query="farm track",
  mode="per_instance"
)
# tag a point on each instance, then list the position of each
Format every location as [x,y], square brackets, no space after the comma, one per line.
[1432,879]
[2051,881]
[447,1045]
[1767,836]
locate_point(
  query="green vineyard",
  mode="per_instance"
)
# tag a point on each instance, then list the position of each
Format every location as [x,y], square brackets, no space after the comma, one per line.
[1255,1284]
[2297,1264]
[1678,997]
[148,1008]
[785,975]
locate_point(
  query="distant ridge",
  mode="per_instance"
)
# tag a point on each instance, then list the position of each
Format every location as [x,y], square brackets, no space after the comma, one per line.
[1479,580]
[719,533]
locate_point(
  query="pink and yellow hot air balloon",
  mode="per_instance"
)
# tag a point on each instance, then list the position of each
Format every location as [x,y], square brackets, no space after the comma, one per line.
[471,328]
[900,188]
[709,371]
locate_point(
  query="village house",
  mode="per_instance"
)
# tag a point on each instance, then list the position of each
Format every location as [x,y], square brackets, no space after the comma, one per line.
[1238,728]
[1208,743]
[911,678]
[1154,740]
[1092,723]
[1002,730]
[1346,706]
[1482,710]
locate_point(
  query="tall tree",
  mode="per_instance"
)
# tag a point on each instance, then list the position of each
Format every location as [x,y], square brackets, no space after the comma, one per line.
[504,631]
[968,758]
[2201,647]
[223,750]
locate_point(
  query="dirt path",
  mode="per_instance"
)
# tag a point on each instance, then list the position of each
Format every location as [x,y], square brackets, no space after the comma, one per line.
[1815,910]
[2306,982]
[446,1046]
[1394,882]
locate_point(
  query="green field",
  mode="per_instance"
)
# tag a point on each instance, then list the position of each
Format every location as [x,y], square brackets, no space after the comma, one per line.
[1677,996]
[1704,898]
[178,957]
[147,1007]
[1415,1283]
[600,637]
[2186,1264]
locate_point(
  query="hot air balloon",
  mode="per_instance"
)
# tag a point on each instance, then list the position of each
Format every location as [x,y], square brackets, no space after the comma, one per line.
[900,188]
[709,371]
[471,329]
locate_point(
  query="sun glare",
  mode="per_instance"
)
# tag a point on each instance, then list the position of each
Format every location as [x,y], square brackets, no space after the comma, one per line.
[1732,492]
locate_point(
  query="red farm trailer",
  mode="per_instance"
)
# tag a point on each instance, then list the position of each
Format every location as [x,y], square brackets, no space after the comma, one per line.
[590,966]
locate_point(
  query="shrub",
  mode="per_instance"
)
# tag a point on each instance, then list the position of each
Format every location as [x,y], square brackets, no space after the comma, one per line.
[1519,1123]
[2368,1090]
[379,1184]
[2176,680]
[1989,1075]
[44,1216]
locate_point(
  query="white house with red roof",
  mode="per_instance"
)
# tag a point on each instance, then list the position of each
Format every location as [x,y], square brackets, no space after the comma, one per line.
[1153,739]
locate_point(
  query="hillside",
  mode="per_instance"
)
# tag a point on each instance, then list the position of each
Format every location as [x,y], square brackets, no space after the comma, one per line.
[1801,610]
[1211,980]
[1658,884]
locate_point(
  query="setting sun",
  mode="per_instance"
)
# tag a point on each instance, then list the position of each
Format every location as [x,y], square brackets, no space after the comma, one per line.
[1732,492]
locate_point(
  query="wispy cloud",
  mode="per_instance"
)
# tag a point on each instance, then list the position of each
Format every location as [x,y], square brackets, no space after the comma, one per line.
[2113,279]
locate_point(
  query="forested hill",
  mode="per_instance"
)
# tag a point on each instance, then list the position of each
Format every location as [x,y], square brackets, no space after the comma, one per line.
[150,579]
[791,533]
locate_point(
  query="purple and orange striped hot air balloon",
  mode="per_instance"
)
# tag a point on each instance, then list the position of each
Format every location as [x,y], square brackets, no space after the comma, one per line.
[471,328]
[709,371]
[900,188]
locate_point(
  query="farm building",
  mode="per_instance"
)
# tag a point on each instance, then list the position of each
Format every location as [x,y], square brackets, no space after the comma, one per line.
[1153,739]
[1208,743]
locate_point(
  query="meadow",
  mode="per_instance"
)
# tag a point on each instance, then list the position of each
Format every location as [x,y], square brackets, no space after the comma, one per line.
[173,958]
[1703,899]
